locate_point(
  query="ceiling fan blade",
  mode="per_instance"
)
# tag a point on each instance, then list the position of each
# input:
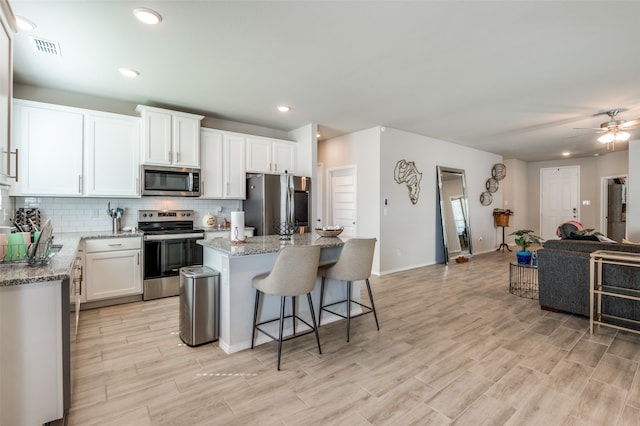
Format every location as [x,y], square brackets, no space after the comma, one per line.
[631,124]
[599,129]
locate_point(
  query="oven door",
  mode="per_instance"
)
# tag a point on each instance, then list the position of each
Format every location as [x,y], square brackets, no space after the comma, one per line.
[163,258]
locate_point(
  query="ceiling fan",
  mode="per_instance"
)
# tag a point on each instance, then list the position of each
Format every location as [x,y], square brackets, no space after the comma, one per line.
[614,130]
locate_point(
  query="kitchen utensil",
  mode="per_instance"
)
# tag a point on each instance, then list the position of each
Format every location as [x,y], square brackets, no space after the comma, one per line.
[43,242]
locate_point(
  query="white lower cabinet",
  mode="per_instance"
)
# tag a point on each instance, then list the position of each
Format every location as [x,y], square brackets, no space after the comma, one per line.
[225,233]
[113,267]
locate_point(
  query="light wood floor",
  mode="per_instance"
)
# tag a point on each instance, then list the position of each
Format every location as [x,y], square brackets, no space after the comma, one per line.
[454,347]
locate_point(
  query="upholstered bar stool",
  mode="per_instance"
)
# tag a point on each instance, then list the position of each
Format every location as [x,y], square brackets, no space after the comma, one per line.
[354,264]
[294,274]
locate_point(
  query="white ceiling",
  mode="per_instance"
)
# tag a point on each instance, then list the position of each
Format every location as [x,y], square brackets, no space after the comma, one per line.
[509,77]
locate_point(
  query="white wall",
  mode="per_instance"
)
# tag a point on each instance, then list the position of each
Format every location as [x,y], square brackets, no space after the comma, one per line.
[409,232]
[633,193]
[515,199]
[363,150]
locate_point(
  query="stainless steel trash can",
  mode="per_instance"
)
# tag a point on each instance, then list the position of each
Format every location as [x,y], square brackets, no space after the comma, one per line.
[199,305]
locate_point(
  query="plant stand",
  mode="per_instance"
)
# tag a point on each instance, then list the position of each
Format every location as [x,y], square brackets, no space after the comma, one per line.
[523,280]
[502,221]
[503,245]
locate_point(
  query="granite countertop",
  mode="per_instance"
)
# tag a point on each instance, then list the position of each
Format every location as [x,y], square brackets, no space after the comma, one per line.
[59,266]
[269,244]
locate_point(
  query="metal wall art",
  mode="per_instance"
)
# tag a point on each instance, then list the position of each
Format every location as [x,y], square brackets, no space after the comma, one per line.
[406,172]
[498,172]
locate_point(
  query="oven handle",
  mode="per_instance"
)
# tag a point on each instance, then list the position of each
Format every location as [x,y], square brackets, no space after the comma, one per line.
[199,235]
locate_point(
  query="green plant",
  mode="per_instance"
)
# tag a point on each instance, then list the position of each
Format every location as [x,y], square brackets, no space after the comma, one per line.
[525,238]
[502,211]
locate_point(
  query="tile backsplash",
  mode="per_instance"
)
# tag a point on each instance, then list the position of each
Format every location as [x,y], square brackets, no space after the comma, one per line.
[90,214]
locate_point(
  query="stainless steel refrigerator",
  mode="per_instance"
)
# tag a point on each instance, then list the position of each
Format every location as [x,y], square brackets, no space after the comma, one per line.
[274,200]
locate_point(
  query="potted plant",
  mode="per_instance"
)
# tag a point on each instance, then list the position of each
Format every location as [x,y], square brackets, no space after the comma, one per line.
[501,216]
[525,238]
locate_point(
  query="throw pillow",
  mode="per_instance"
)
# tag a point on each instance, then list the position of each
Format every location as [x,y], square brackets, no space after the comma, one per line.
[574,236]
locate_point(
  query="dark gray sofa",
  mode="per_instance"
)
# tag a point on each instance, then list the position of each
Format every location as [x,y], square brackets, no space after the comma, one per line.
[563,277]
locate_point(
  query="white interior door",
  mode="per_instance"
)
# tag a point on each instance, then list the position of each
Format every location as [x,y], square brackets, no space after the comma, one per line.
[559,192]
[343,200]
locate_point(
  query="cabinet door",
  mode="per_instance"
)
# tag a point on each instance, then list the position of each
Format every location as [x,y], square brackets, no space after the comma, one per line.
[235,181]
[186,141]
[112,165]
[6,88]
[50,142]
[211,170]
[156,137]
[112,274]
[259,155]
[284,157]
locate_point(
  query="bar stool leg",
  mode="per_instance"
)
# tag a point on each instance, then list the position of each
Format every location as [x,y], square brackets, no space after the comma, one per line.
[255,318]
[321,300]
[293,313]
[373,307]
[313,319]
[282,300]
[348,309]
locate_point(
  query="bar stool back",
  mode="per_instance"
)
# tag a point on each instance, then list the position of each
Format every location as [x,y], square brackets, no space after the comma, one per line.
[354,264]
[294,274]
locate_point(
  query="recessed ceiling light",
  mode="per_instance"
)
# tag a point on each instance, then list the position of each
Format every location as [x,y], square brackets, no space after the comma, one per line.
[284,108]
[566,154]
[148,16]
[24,24]
[128,72]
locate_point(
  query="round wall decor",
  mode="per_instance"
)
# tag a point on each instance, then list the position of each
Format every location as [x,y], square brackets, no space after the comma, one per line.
[492,185]
[486,198]
[499,171]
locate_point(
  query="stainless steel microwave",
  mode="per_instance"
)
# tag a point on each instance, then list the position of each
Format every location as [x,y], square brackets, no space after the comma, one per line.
[170,181]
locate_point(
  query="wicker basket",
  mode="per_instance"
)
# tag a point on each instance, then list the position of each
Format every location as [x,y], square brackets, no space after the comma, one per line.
[332,233]
[502,219]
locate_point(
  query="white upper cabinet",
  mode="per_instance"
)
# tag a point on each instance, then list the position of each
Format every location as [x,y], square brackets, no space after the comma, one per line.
[265,155]
[170,138]
[223,158]
[67,151]
[112,155]
[50,139]
[6,88]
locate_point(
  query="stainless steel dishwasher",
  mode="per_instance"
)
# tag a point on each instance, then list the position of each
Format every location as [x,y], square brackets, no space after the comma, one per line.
[199,305]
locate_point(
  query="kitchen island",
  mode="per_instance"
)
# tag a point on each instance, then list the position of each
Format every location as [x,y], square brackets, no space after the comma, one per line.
[239,263]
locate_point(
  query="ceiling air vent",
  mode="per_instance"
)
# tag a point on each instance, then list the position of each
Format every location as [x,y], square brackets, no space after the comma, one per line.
[45,46]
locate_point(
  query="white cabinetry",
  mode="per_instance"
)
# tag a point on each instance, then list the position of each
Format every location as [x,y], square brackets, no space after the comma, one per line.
[31,335]
[112,155]
[265,155]
[223,164]
[50,141]
[6,90]
[67,151]
[113,267]
[170,138]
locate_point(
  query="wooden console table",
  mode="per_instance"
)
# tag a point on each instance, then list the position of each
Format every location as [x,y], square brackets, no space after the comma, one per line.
[597,289]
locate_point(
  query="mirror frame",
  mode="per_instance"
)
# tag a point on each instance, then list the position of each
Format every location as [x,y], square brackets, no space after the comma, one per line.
[460,172]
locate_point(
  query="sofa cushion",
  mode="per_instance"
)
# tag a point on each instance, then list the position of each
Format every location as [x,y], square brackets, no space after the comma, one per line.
[574,236]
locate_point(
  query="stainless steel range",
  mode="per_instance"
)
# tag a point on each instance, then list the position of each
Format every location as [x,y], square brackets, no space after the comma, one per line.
[169,244]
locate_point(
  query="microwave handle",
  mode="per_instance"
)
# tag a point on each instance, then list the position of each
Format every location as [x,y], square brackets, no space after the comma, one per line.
[190,181]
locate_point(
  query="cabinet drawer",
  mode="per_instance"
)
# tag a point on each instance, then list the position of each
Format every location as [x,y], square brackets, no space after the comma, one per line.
[113,244]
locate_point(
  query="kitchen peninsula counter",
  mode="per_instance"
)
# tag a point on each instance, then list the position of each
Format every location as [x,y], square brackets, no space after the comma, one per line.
[239,263]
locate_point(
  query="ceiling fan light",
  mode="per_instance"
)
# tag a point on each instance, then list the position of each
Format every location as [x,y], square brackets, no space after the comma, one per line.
[622,137]
[606,138]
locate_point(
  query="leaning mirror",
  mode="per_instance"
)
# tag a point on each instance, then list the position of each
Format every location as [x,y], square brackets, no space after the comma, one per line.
[454,211]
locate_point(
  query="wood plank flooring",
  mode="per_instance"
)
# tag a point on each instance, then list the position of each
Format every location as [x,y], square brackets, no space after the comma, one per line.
[454,348]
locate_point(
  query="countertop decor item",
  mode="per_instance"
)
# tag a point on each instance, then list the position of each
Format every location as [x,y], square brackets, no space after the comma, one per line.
[284,229]
[328,232]
[209,220]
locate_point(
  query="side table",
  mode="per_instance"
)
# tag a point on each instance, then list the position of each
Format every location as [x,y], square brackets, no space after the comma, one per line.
[523,280]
